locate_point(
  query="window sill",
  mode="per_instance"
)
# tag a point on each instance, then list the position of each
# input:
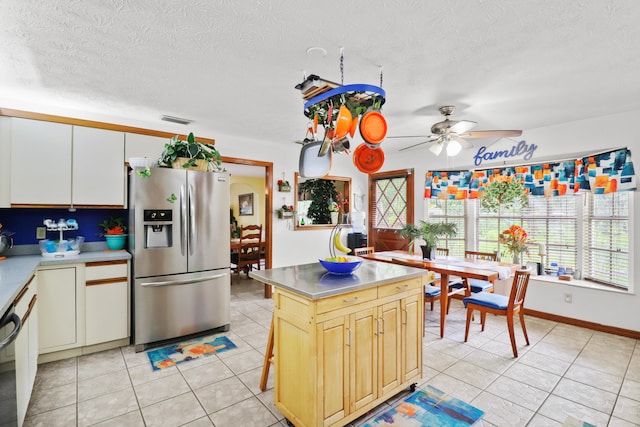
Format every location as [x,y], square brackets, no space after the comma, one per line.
[580,284]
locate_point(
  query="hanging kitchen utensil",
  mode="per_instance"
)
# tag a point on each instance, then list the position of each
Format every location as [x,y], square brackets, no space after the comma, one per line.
[340,145]
[311,164]
[343,123]
[368,160]
[354,126]
[373,128]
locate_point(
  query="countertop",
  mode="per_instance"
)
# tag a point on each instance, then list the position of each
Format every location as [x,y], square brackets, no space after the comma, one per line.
[314,282]
[15,271]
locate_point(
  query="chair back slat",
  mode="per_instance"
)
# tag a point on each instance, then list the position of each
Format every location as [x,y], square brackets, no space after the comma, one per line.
[519,288]
[363,251]
[487,256]
[442,252]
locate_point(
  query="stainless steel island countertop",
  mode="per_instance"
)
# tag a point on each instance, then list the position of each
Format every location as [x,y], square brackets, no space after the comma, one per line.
[314,282]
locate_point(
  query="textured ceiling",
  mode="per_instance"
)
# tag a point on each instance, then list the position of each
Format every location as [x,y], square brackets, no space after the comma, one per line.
[231,66]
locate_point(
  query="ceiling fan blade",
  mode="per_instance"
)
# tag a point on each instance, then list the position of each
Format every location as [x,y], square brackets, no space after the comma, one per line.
[462,126]
[415,145]
[491,134]
[410,136]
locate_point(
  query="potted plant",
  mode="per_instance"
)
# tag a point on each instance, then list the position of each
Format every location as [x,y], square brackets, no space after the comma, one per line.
[114,230]
[430,233]
[286,211]
[190,154]
[505,191]
[283,186]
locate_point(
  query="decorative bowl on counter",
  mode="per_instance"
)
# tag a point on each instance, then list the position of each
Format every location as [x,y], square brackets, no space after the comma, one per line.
[341,267]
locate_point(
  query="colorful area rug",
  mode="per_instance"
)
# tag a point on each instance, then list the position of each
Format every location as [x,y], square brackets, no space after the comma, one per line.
[428,407]
[171,355]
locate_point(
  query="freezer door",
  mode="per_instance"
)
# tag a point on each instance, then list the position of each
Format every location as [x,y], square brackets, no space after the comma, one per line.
[159,245]
[169,307]
[209,231]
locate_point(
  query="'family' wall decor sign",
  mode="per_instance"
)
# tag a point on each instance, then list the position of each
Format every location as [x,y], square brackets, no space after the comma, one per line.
[520,149]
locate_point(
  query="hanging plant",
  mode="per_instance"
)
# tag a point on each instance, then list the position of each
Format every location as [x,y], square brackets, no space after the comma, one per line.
[505,191]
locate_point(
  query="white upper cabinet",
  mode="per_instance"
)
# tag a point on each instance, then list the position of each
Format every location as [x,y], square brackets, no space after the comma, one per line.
[138,145]
[61,164]
[98,167]
[40,162]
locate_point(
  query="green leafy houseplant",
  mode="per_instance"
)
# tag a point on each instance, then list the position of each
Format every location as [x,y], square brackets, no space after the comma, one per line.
[113,226]
[191,151]
[430,232]
[504,191]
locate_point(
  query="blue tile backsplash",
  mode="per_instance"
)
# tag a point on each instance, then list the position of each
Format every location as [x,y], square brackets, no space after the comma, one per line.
[23,222]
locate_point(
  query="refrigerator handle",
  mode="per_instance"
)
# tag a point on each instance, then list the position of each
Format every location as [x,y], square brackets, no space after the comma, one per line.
[182,282]
[192,220]
[183,220]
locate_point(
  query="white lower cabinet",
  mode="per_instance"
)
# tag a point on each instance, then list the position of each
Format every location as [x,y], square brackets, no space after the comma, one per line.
[61,315]
[106,301]
[26,346]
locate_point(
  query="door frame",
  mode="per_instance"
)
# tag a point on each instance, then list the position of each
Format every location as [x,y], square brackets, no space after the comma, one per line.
[268,204]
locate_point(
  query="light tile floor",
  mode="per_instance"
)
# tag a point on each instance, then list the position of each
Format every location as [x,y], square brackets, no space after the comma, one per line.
[566,371]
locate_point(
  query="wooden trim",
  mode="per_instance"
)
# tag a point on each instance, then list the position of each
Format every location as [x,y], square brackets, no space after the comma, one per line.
[101,263]
[24,290]
[106,281]
[93,124]
[268,204]
[32,303]
[629,333]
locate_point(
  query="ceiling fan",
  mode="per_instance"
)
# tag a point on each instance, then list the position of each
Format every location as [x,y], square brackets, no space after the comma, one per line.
[452,134]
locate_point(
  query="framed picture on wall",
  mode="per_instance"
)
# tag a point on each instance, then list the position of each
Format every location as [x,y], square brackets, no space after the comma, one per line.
[245,202]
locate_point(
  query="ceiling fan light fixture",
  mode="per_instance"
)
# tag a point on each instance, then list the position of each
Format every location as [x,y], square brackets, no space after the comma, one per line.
[436,148]
[453,148]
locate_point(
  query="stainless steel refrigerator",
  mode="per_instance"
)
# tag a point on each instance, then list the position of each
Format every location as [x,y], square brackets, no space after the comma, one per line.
[179,239]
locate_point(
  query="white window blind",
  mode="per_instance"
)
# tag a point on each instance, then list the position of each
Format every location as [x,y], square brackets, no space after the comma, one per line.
[607,239]
[449,211]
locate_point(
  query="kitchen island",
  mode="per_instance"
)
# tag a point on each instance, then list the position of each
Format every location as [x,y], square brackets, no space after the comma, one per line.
[343,344]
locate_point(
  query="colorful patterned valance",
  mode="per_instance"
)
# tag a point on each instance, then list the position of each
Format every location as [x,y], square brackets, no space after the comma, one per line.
[602,173]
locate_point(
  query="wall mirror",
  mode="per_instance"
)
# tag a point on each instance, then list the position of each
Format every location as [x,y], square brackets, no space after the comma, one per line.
[321,202]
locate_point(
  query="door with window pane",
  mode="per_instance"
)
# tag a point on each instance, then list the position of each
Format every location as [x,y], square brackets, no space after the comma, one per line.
[390,208]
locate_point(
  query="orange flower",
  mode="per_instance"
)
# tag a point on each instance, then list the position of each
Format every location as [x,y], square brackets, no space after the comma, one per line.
[515,238]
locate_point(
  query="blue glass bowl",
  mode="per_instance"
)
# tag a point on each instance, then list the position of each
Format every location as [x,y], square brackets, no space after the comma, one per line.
[341,267]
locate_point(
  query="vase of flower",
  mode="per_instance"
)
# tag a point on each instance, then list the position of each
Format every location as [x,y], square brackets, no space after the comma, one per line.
[334,217]
[114,232]
[516,240]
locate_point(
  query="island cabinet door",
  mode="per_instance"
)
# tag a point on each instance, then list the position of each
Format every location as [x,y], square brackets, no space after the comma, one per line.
[412,315]
[389,347]
[363,358]
[334,368]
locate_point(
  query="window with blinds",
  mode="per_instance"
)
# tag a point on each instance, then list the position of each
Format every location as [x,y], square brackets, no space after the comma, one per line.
[607,239]
[450,211]
[551,224]
[589,232]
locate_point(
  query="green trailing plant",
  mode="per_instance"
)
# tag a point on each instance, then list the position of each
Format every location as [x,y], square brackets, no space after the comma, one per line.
[506,192]
[322,192]
[430,232]
[191,150]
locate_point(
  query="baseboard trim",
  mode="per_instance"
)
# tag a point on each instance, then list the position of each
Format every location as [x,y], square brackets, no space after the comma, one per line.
[629,333]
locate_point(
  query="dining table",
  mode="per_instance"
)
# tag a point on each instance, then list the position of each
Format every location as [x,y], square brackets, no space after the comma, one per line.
[448,266]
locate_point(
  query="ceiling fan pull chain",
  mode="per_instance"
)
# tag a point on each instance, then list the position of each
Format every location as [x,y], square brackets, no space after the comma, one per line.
[381,76]
[342,66]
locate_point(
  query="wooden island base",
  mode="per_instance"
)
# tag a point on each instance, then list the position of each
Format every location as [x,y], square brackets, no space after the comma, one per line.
[337,357]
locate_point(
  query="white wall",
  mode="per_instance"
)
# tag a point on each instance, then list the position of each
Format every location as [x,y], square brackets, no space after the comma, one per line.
[601,133]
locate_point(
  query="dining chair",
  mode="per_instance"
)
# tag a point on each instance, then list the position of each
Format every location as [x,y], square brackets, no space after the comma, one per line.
[475,285]
[431,293]
[363,251]
[442,252]
[249,251]
[501,305]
